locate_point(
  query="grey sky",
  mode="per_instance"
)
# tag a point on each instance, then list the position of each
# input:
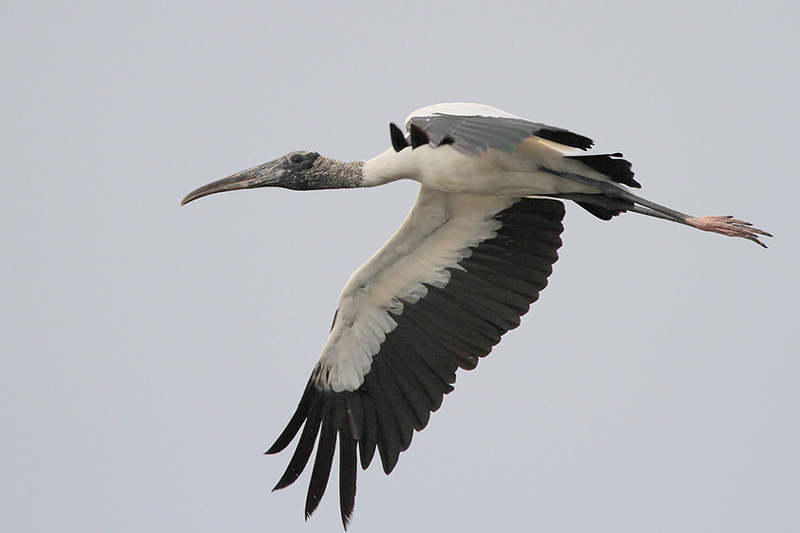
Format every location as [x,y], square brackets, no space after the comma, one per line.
[151,352]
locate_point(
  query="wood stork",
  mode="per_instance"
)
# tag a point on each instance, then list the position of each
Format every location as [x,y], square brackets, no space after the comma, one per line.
[472,255]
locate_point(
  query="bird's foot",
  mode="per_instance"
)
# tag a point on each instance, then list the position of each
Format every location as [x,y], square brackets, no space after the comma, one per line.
[727,225]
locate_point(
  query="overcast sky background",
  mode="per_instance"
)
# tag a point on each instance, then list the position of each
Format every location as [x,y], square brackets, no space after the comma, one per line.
[151,353]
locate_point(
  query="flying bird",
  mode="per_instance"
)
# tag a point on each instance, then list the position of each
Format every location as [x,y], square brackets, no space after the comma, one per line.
[473,254]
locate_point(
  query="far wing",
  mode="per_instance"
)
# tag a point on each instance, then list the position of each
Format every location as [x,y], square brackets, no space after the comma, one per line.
[473,129]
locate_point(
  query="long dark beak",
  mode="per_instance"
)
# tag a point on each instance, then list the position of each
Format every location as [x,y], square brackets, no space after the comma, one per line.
[266,175]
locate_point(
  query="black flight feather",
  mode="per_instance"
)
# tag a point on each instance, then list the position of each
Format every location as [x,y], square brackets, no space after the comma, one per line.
[323,462]
[348,470]
[304,448]
[369,439]
[296,422]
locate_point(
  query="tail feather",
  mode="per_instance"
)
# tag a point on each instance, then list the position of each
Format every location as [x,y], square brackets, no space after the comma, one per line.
[611,165]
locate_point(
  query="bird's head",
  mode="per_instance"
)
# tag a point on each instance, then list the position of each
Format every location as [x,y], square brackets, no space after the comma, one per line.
[299,170]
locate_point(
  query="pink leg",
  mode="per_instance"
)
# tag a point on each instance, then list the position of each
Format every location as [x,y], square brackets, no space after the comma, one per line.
[727,225]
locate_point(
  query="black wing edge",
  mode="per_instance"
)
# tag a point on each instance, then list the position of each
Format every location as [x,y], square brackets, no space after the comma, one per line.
[565,137]
[450,328]
[327,414]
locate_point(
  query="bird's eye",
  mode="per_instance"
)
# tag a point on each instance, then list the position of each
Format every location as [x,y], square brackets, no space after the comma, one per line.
[301,160]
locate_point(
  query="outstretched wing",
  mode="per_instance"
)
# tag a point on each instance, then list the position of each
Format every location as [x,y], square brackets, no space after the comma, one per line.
[474,128]
[455,277]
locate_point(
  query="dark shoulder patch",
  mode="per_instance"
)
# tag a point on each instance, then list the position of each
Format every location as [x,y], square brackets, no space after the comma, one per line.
[418,136]
[398,139]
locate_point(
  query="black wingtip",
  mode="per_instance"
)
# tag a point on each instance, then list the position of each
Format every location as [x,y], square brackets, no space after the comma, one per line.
[305,446]
[565,137]
[297,420]
[399,141]
[326,449]
[348,463]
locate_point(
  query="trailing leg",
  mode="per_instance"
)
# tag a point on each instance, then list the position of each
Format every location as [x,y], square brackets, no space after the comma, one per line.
[612,200]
